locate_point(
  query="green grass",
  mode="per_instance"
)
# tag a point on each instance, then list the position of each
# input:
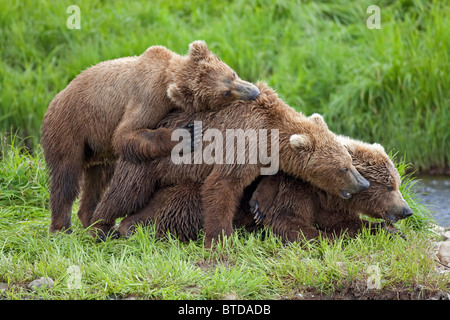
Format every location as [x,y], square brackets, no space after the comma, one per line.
[146,267]
[389,86]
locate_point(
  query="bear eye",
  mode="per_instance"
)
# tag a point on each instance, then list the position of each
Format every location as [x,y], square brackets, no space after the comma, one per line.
[227,94]
[343,170]
[390,188]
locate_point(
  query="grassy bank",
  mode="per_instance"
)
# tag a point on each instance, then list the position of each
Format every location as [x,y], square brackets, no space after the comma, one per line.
[389,85]
[144,266]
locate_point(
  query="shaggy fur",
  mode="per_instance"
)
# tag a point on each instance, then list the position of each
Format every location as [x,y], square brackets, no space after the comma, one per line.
[109,110]
[301,209]
[175,209]
[292,208]
[320,159]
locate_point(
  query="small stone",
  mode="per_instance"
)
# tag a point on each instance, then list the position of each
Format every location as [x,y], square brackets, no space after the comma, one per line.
[44,283]
[230,296]
[446,235]
[3,286]
[438,229]
[444,253]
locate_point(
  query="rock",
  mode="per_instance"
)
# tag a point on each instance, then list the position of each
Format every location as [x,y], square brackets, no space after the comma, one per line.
[229,296]
[44,283]
[3,286]
[444,253]
[438,229]
[446,235]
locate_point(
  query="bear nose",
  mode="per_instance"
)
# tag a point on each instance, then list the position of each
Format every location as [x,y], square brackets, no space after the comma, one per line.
[364,184]
[407,212]
[254,93]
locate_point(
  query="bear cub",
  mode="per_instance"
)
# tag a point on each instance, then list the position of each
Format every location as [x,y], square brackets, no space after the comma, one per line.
[111,110]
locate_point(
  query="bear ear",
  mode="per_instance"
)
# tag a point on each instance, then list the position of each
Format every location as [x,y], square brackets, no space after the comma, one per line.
[297,141]
[378,147]
[198,50]
[318,119]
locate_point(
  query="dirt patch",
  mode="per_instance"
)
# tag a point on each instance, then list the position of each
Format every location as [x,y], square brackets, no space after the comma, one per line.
[213,264]
[359,291]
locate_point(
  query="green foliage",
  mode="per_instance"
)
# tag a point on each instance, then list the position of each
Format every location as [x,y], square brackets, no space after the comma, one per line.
[250,266]
[388,86]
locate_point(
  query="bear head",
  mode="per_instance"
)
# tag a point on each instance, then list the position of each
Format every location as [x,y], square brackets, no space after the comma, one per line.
[203,82]
[328,164]
[383,200]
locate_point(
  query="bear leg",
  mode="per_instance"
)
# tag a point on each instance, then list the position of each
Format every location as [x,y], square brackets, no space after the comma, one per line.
[148,213]
[350,227]
[143,217]
[220,202]
[176,209]
[291,228]
[263,196]
[95,180]
[146,144]
[130,189]
[64,188]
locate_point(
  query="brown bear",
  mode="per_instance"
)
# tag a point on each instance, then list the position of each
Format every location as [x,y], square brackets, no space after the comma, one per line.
[110,109]
[302,210]
[305,146]
[291,208]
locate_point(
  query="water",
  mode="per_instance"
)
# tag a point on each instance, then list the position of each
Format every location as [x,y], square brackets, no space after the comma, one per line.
[434,191]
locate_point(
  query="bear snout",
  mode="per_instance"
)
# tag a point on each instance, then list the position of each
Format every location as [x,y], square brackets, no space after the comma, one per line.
[358,183]
[398,213]
[407,212]
[364,184]
[247,91]
[361,183]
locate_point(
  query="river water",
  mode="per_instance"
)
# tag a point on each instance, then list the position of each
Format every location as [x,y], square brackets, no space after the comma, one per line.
[434,191]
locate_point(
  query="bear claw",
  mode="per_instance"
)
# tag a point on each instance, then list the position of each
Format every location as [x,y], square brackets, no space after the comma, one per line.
[111,234]
[258,217]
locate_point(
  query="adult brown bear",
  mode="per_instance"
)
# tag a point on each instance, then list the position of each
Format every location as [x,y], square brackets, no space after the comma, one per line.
[307,149]
[291,208]
[110,109]
[302,210]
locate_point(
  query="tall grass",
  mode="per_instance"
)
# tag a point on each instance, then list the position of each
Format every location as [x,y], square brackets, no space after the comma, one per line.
[389,85]
[252,266]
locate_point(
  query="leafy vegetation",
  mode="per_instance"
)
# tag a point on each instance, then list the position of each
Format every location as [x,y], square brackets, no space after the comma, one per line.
[250,266]
[388,86]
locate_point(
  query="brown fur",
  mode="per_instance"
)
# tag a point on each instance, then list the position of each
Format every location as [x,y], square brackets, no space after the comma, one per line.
[303,210]
[318,158]
[175,209]
[293,209]
[110,109]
